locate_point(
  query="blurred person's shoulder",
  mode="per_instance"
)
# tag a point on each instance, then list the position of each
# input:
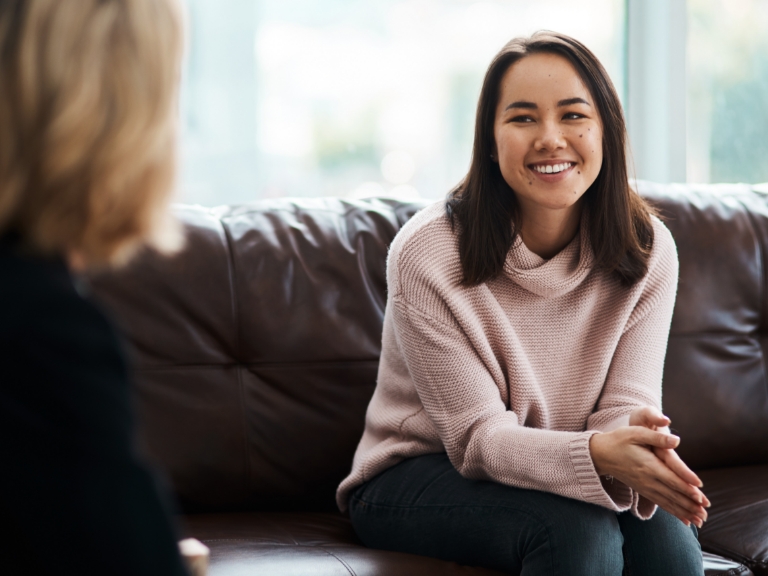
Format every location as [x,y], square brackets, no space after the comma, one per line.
[64,373]
[33,286]
[42,303]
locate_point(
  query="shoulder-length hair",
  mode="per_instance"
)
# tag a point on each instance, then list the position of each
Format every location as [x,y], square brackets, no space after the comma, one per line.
[485,208]
[88,93]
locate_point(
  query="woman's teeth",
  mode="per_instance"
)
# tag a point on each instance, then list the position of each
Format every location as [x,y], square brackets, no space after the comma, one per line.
[552,169]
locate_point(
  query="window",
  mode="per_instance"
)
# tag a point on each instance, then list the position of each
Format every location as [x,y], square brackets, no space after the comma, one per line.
[349,98]
[727,91]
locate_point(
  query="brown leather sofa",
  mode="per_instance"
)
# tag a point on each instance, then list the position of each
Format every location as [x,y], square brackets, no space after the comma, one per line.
[256,352]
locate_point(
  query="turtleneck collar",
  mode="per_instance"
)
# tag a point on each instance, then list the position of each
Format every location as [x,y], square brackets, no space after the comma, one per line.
[556,276]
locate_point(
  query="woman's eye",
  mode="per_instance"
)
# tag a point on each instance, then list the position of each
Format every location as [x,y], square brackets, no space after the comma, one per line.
[521,119]
[573,116]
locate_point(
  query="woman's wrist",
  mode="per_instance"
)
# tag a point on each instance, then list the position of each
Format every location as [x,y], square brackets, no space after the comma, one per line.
[596,451]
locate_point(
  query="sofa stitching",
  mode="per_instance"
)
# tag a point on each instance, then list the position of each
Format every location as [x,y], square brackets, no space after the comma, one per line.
[294,544]
[238,355]
[261,365]
[246,443]
[276,527]
[349,569]
[761,259]
[232,283]
[763,268]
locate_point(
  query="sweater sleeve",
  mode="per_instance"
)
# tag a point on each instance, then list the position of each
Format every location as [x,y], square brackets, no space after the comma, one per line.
[636,370]
[482,438]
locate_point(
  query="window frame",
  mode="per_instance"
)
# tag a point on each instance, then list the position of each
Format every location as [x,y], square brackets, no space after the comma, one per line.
[656,90]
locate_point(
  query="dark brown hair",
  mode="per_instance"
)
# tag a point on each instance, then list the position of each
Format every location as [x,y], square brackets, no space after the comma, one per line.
[485,208]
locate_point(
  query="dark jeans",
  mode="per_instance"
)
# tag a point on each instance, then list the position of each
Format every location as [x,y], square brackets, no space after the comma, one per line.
[424,506]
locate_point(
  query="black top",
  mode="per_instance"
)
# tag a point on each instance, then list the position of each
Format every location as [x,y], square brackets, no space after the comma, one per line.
[74,497]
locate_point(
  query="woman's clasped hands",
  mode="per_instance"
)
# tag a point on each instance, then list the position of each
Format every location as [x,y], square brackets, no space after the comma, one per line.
[642,456]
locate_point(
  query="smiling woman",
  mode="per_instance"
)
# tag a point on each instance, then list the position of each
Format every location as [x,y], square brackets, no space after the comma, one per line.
[516,422]
[541,148]
[571,108]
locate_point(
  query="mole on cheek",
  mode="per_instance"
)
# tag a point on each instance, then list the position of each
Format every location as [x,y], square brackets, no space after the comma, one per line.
[581,135]
[579,172]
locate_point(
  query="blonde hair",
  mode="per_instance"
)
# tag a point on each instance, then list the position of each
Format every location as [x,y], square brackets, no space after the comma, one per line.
[88,100]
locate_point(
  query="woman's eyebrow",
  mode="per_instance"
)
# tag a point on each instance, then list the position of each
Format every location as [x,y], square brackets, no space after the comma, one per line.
[569,101]
[522,104]
[533,106]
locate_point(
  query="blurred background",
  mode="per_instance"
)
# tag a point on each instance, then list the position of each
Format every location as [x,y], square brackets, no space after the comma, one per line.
[354,99]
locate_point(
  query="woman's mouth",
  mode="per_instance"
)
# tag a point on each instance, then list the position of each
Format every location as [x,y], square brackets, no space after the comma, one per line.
[552,172]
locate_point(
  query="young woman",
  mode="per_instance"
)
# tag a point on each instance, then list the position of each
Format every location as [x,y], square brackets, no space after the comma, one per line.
[87,131]
[516,422]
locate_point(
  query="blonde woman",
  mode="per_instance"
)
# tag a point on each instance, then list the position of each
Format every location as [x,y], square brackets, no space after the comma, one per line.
[87,130]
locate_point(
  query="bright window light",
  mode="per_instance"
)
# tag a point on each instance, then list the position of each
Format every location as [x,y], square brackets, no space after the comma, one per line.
[727,91]
[348,98]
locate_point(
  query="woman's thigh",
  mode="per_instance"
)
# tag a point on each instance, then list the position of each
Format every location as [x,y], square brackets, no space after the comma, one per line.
[661,545]
[424,506]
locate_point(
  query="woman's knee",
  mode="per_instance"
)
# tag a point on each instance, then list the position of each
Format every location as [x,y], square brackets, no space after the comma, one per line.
[576,538]
[661,545]
[481,523]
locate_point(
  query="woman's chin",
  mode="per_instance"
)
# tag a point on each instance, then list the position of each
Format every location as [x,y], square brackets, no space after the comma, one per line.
[555,202]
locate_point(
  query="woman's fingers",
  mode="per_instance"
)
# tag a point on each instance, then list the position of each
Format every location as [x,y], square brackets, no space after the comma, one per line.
[649,417]
[674,502]
[667,485]
[677,480]
[690,493]
[673,508]
[676,464]
[669,490]
[681,477]
[679,505]
[694,504]
[653,438]
[639,457]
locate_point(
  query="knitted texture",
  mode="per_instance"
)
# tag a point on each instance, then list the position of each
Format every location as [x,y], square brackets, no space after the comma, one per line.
[512,377]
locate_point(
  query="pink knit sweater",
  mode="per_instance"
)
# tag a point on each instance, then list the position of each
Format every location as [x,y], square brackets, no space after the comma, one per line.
[511,378]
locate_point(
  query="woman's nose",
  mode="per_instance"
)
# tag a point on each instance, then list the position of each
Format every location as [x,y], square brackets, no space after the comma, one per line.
[550,137]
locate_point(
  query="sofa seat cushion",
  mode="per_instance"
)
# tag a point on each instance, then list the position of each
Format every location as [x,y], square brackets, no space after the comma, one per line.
[715,565]
[738,520]
[284,544]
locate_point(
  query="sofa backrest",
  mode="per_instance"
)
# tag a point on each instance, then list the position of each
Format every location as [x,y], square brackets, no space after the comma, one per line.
[256,348]
[715,378]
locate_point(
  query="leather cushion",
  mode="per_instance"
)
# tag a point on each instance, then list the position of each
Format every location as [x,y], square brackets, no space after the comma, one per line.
[738,520]
[256,348]
[280,544]
[284,544]
[715,373]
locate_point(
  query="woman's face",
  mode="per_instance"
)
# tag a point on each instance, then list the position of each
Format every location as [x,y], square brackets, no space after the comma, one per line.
[548,134]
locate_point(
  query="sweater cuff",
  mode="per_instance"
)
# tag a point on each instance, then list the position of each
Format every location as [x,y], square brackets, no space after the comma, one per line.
[616,497]
[642,507]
